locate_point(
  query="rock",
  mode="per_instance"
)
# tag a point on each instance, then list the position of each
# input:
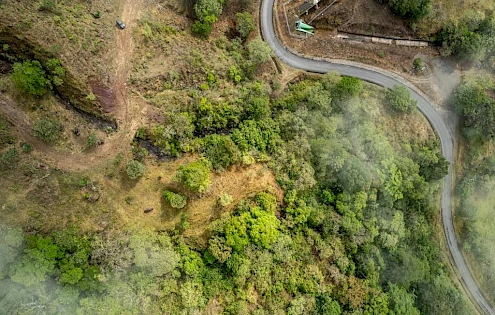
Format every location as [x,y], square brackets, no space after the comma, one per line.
[148,210]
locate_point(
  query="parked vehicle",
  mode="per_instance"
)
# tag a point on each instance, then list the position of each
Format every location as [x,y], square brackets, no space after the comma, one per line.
[120,24]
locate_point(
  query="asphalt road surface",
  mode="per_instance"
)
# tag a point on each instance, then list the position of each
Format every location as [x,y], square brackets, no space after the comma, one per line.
[388,80]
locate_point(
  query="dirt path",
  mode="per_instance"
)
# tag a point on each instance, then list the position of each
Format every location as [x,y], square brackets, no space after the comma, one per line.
[129,113]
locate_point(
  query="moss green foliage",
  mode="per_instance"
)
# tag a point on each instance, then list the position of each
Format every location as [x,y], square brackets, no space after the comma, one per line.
[6,137]
[221,151]
[47,129]
[259,51]
[400,99]
[359,207]
[56,71]
[176,200]
[92,140]
[30,77]
[244,23]
[135,169]
[411,9]
[207,13]
[195,175]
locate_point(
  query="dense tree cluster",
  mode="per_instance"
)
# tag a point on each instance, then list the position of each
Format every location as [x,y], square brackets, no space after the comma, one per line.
[472,39]
[410,9]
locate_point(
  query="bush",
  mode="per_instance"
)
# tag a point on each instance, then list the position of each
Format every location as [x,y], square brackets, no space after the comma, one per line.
[244,23]
[412,9]
[9,158]
[205,26]
[418,64]
[400,99]
[47,129]
[30,77]
[92,140]
[195,175]
[225,199]
[221,151]
[176,201]
[135,169]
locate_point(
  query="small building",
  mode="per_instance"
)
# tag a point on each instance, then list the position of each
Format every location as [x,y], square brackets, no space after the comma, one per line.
[307,5]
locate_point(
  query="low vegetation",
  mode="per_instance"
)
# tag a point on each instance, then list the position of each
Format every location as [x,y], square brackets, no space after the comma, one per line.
[474,190]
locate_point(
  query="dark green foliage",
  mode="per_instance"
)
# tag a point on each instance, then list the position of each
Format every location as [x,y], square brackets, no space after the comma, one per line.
[135,169]
[205,26]
[207,12]
[257,225]
[244,23]
[326,306]
[64,255]
[30,77]
[476,108]
[9,158]
[259,51]
[401,302]
[47,129]
[215,118]
[195,175]
[56,71]
[411,9]
[257,107]
[400,99]
[221,151]
[347,88]
[173,136]
[418,64]
[432,165]
[176,201]
[257,135]
[471,39]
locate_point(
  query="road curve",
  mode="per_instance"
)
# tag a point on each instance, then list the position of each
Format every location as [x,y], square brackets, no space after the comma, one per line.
[388,80]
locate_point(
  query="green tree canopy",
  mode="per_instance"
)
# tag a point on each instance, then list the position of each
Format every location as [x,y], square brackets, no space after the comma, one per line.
[195,175]
[244,23]
[400,99]
[30,77]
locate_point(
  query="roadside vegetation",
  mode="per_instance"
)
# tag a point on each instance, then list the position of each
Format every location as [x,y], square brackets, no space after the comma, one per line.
[474,101]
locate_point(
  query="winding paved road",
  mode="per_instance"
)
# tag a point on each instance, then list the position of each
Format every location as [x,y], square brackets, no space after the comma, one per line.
[388,80]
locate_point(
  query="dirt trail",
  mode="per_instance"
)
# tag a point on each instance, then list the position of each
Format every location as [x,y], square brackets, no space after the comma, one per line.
[128,112]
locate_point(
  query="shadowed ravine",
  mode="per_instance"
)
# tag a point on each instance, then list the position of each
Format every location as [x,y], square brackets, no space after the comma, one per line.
[388,80]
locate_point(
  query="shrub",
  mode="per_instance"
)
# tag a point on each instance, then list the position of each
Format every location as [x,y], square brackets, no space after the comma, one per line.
[400,99]
[47,129]
[177,201]
[135,169]
[221,151]
[30,77]
[225,199]
[92,140]
[204,27]
[9,158]
[413,9]
[244,23]
[195,175]
[259,51]
[418,64]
